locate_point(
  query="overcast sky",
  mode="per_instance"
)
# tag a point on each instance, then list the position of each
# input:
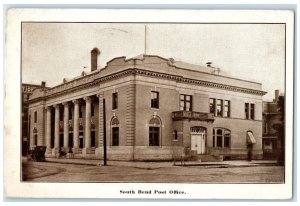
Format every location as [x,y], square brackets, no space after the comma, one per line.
[53,51]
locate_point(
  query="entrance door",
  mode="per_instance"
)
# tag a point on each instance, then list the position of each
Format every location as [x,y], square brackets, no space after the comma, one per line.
[198,139]
[198,143]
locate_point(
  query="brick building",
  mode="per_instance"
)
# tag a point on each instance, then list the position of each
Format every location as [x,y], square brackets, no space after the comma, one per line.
[27,90]
[272,117]
[155,109]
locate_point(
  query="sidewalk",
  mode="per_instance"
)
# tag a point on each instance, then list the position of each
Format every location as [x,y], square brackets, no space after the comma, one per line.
[156,165]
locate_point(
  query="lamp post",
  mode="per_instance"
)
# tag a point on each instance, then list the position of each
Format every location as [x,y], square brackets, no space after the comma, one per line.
[104,134]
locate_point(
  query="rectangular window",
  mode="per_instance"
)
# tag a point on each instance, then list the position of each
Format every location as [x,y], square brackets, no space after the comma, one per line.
[226,108]
[35,140]
[227,140]
[93,139]
[219,137]
[115,136]
[185,102]
[153,136]
[247,110]
[212,105]
[154,99]
[35,117]
[219,107]
[252,111]
[115,100]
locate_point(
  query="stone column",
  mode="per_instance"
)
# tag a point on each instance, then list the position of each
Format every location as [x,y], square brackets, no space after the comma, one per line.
[87,144]
[99,149]
[66,126]
[48,129]
[76,126]
[56,131]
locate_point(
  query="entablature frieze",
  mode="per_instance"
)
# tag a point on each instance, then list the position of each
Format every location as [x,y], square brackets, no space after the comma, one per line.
[90,81]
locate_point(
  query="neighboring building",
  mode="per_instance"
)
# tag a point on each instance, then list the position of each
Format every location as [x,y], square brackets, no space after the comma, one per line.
[272,116]
[155,109]
[27,90]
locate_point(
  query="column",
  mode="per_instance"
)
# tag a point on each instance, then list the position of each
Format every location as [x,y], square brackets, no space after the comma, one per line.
[99,149]
[48,128]
[56,131]
[76,125]
[66,126]
[87,124]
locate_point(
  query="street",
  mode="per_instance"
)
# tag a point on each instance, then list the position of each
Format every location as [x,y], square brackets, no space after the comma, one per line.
[61,172]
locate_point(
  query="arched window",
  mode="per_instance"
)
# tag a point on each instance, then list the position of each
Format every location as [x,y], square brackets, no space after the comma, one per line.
[115,131]
[221,137]
[154,132]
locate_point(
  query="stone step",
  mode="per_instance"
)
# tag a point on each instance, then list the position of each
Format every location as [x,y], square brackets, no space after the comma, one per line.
[209,158]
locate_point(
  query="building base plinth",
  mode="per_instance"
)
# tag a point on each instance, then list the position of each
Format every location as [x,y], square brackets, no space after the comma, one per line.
[55,152]
[76,150]
[88,151]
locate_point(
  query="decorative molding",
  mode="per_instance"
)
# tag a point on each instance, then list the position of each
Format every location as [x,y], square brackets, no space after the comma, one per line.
[89,81]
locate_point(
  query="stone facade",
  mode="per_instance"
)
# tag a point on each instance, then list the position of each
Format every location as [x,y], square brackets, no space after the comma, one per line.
[155,109]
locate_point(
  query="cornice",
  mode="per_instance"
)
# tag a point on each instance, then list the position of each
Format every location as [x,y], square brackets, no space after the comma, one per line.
[91,80]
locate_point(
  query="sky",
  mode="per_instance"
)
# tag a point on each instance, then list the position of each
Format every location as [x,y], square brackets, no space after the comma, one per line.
[255,52]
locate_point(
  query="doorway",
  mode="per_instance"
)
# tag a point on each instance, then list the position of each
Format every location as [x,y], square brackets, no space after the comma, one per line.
[198,139]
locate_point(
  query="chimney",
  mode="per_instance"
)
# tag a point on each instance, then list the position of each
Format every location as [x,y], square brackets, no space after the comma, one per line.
[43,84]
[94,59]
[276,95]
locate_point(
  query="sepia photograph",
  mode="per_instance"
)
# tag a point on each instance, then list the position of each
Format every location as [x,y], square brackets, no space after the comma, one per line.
[180,102]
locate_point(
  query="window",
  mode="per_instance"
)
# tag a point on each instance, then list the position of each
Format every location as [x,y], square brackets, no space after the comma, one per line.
[115,136]
[154,99]
[154,132]
[35,117]
[35,140]
[221,137]
[185,102]
[249,111]
[153,136]
[252,111]
[93,139]
[226,112]
[212,105]
[219,107]
[115,100]
[115,131]
[175,135]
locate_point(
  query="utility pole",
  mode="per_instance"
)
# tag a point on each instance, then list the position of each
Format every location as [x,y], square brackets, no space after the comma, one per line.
[104,133]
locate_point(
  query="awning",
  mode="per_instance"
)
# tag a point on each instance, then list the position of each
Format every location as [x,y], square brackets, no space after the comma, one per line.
[250,138]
